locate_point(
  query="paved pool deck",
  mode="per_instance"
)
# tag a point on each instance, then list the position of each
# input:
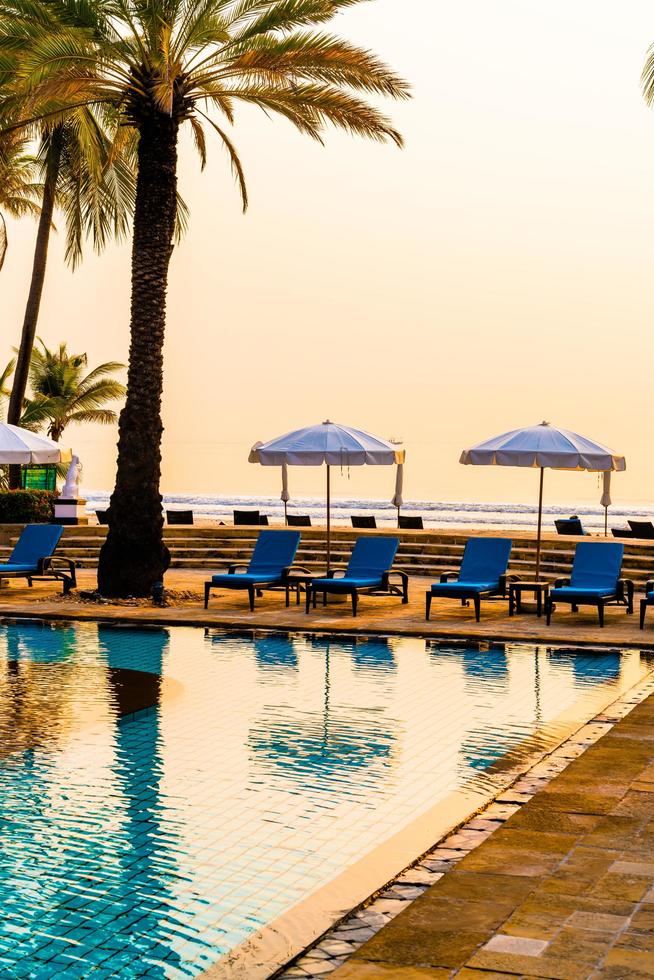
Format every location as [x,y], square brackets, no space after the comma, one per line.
[376,614]
[562,889]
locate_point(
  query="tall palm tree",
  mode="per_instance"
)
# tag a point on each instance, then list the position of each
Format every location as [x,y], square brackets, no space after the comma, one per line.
[19,191]
[58,383]
[162,64]
[93,188]
[86,168]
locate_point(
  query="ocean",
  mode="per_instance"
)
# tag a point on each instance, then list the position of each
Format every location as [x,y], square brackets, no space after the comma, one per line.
[435,513]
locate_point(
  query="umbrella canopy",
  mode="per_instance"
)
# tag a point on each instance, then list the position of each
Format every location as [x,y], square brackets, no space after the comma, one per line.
[22,447]
[326,444]
[543,446]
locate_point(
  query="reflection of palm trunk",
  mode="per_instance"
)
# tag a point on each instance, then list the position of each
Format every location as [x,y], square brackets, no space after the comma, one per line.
[138,776]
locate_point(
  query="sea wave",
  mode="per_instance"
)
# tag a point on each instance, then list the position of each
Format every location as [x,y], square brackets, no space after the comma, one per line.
[435,513]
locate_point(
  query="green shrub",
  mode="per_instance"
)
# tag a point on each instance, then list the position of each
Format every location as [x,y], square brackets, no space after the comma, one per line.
[27,506]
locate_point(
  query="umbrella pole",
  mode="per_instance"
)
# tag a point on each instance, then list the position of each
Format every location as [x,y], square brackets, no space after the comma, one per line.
[329,522]
[285,512]
[606,522]
[540,521]
[398,516]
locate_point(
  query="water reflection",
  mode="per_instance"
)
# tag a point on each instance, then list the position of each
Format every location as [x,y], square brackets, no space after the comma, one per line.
[315,748]
[588,667]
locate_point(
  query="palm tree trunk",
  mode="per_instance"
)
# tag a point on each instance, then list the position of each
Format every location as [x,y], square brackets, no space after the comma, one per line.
[3,240]
[30,320]
[133,556]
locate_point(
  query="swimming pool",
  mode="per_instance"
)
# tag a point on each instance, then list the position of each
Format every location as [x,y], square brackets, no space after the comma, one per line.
[172,799]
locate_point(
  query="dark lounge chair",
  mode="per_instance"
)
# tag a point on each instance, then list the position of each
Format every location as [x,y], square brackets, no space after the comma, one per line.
[179,516]
[641,529]
[368,572]
[363,521]
[298,520]
[34,557]
[102,516]
[410,523]
[482,574]
[268,567]
[622,532]
[249,517]
[569,525]
[594,581]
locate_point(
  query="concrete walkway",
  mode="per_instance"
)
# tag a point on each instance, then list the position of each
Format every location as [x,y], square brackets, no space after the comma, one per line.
[563,889]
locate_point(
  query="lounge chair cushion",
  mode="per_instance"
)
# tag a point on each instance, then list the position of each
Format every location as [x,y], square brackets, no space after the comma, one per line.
[485,560]
[458,588]
[596,567]
[36,541]
[650,596]
[15,568]
[567,593]
[348,582]
[371,556]
[243,579]
[273,552]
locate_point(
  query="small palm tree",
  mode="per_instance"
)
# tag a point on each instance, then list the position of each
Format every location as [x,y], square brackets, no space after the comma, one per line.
[19,192]
[160,65]
[64,394]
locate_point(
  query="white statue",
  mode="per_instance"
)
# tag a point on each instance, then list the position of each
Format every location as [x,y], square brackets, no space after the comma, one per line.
[70,489]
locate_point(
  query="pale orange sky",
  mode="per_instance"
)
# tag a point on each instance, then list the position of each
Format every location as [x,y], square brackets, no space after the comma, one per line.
[495,273]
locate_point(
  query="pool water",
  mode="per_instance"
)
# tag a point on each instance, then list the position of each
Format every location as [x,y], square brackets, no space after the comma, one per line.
[167,794]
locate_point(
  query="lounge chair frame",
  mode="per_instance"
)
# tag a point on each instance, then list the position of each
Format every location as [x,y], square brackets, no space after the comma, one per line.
[387,587]
[46,570]
[623,596]
[264,571]
[501,592]
[644,603]
[253,588]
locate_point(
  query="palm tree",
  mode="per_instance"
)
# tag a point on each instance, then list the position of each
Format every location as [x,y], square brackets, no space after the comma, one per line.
[162,64]
[66,395]
[93,188]
[86,167]
[19,192]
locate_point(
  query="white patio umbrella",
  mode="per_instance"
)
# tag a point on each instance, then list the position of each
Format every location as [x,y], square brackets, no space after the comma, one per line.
[326,444]
[543,446]
[20,446]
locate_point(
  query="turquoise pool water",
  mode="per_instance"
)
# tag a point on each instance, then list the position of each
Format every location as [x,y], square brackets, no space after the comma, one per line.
[167,793]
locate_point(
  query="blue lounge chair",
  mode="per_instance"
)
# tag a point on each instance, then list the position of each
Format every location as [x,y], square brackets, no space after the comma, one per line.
[647,601]
[268,568]
[368,572]
[482,574]
[595,580]
[33,557]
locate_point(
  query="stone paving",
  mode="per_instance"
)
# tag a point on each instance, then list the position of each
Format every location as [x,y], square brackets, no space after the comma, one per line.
[377,615]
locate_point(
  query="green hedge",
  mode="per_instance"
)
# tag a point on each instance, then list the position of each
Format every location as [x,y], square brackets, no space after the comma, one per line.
[27,506]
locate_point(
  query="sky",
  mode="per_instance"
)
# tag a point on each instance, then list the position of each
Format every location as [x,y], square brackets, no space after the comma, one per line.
[494,273]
